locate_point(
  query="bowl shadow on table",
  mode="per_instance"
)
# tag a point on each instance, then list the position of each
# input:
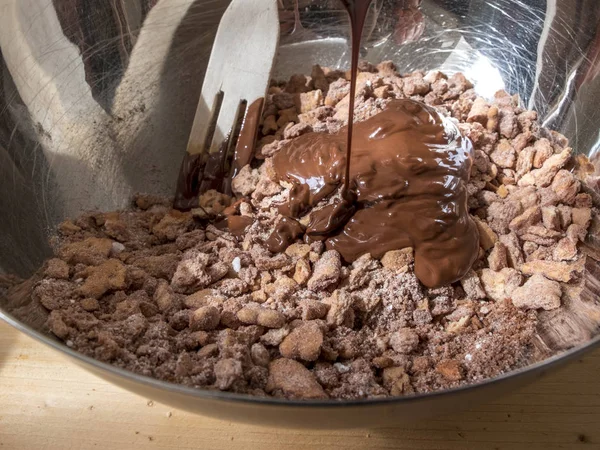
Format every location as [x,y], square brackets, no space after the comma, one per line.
[550,410]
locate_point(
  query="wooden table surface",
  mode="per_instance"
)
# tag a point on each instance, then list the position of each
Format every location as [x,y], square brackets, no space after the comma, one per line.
[46,402]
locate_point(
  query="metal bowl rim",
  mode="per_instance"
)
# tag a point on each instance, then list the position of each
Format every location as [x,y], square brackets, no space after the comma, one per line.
[207,394]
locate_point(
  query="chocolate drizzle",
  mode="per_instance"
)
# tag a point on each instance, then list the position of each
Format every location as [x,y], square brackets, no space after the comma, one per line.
[186,194]
[244,150]
[237,225]
[286,231]
[357,11]
[202,172]
[409,169]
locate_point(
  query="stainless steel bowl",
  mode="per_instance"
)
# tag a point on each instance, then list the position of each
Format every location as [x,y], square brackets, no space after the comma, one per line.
[97,100]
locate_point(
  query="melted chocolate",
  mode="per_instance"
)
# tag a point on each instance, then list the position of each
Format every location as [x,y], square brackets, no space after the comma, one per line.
[402,174]
[244,149]
[357,11]
[186,194]
[408,173]
[237,225]
[201,172]
[285,233]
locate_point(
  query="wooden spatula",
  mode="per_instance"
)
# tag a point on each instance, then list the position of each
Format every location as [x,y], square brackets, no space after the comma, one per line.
[237,76]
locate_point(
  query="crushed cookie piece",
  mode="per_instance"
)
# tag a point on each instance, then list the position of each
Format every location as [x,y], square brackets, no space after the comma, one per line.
[326,273]
[404,340]
[293,380]
[449,369]
[304,342]
[205,318]
[398,260]
[553,270]
[537,293]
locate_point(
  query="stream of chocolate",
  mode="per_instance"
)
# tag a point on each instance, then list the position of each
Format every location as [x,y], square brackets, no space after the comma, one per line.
[409,169]
[357,11]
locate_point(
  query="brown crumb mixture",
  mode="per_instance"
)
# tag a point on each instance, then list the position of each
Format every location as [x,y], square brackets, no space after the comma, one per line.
[168,295]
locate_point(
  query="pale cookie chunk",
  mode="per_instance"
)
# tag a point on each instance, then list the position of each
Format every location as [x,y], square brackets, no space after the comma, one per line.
[565,250]
[309,101]
[298,250]
[558,271]
[172,225]
[543,177]
[90,251]
[206,318]
[260,355]
[530,217]
[508,125]
[304,342]
[538,293]
[294,380]
[472,286]
[566,186]
[514,253]
[326,273]
[110,275]
[340,311]
[450,369]
[246,181]
[270,318]
[497,260]
[398,259]
[302,272]
[275,336]
[543,151]
[313,309]
[194,272]
[504,155]
[500,285]
[397,381]
[525,161]
[551,218]
[499,216]
[405,340]
[479,111]
[582,217]
[227,372]
[487,236]
[57,268]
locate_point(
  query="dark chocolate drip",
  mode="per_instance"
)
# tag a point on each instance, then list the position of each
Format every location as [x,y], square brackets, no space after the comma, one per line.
[357,10]
[237,225]
[244,150]
[329,219]
[214,171]
[408,175]
[186,195]
[285,233]
[201,172]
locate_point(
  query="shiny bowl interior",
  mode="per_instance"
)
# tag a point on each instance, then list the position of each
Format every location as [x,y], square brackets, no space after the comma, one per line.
[97,101]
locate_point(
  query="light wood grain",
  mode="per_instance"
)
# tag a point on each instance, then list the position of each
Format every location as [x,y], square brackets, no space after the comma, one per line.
[46,402]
